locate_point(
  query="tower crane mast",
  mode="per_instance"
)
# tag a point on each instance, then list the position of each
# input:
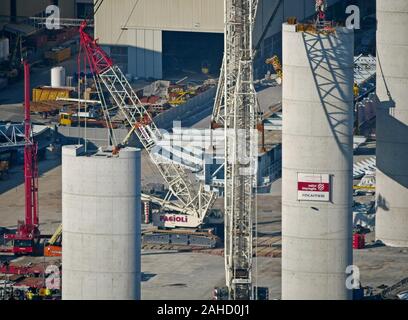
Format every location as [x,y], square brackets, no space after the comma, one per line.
[217,117]
[240,146]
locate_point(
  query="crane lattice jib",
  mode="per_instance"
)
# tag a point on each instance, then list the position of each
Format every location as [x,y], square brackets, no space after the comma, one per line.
[195,201]
[240,130]
[217,118]
[99,60]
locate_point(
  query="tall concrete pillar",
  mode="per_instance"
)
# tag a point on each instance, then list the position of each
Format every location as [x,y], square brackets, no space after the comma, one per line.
[317,163]
[392,123]
[100,225]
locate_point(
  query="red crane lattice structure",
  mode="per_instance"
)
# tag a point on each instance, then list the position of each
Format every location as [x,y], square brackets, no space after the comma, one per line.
[27,233]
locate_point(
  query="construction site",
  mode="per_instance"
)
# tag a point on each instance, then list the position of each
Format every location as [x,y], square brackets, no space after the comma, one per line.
[204,150]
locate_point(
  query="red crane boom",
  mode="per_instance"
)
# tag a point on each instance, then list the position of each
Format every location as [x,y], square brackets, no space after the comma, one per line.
[30,159]
[27,234]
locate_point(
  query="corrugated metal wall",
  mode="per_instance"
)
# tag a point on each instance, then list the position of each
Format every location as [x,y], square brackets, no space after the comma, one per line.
[4,8]
[145,19]
[145,56]
[184,15]
[178,15]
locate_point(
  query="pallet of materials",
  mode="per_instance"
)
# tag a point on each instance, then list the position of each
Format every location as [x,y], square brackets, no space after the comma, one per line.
[58,55]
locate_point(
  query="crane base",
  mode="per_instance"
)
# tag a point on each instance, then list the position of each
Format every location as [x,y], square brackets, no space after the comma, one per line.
[201,239]
[222,293]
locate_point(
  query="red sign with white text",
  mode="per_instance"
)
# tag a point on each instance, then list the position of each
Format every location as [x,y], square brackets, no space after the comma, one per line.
[313,187]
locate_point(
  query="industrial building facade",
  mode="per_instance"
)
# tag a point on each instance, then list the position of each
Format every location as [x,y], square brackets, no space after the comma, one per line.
[157,38]
[14,9]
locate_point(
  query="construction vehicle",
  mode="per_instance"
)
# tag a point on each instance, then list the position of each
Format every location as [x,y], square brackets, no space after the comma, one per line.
[194,203]
[29,269]
[179,94]
[71,119]
[65,119]
[89,114]
[165,217]
[366,185]
[53,248]
[27,236]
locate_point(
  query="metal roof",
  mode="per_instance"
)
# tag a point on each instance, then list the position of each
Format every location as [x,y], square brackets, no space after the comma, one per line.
[20,29]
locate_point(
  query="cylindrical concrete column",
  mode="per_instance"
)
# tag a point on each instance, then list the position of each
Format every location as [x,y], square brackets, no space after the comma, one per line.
[392,123]
[100,224]
[317,163]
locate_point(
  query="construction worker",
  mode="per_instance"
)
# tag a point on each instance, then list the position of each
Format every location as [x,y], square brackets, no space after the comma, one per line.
[321,7]
[356,90]
[29,295]
[41,293]
[47,292]
[44,292]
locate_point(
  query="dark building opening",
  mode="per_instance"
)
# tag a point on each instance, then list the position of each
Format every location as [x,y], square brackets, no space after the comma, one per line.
[85,10]
[192,52]
[13,10]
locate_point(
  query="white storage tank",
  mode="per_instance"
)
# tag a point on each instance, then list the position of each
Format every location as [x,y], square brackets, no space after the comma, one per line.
[58,77]
[101,217]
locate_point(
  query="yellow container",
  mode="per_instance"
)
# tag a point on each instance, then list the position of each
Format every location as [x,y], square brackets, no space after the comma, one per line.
[50,94]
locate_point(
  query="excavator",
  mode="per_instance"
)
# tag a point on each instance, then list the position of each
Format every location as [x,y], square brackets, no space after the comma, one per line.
[53,248]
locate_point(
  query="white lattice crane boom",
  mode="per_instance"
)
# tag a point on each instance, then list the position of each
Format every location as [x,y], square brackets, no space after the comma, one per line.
[240,109]
[195,201]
